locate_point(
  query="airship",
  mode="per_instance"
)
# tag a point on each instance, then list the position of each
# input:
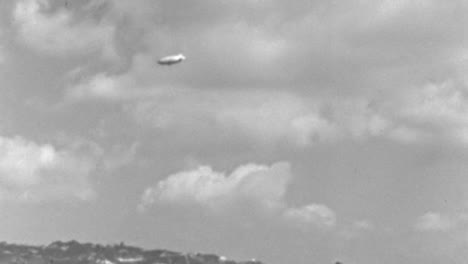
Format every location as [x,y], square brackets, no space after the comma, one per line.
[173,59]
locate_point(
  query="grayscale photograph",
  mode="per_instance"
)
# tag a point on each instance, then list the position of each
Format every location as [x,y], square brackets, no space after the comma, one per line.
[233,132]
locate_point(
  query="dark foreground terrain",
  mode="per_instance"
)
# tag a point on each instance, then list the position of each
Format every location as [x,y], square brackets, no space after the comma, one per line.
[73,252]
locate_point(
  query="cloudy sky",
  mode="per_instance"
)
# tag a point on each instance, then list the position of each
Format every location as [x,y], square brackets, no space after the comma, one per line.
[303,131]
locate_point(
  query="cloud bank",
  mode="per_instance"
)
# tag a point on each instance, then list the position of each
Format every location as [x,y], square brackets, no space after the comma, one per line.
[303,73]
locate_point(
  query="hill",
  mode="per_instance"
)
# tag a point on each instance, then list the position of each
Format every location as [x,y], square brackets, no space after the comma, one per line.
[73,252]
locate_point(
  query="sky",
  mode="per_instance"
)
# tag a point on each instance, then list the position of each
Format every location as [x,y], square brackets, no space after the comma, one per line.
[304,131]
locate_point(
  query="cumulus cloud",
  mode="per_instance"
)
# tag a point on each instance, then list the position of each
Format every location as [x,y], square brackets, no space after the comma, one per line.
[32,172]
[59,33]
[260,186]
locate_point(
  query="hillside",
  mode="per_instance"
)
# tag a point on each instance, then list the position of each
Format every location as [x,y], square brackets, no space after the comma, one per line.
[73,252]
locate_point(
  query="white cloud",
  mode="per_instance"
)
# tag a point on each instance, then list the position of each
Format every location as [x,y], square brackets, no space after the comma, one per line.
[433,221]
[58,33]
[312,214]
[31,172]
[259,184]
